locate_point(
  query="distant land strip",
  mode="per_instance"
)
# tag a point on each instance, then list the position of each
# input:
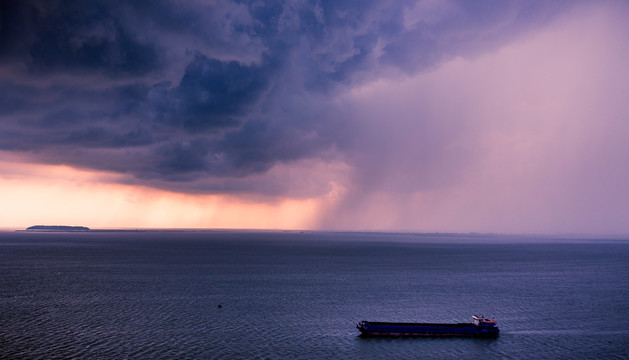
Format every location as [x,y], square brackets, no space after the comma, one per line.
[57,228]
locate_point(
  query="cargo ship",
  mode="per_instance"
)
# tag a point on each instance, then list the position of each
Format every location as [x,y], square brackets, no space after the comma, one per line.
[479,327]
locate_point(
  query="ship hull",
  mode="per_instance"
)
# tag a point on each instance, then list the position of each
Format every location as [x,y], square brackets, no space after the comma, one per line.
[380,329]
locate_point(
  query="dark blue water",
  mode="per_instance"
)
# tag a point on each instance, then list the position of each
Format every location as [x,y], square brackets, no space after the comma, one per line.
[155,295]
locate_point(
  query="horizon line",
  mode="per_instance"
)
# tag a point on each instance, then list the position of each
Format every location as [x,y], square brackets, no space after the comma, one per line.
[375,231]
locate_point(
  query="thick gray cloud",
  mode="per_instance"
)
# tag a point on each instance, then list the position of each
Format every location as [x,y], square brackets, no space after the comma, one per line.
[198,97]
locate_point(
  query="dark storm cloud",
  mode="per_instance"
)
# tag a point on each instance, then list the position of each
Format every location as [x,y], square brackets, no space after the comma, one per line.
[211,93]
[75,36]
[182,90]
[180,158]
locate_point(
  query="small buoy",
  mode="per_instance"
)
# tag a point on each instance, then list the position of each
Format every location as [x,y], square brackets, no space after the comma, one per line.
[220,306]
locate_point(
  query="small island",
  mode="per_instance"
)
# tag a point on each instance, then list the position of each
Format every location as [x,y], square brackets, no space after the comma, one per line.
[61,228]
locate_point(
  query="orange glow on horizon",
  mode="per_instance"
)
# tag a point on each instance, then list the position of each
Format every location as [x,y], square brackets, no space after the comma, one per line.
[61,195]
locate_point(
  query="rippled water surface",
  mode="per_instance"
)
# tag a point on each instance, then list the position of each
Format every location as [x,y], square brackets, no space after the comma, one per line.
[155,295]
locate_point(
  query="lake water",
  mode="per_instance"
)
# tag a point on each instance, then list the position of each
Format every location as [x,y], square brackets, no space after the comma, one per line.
[292,295]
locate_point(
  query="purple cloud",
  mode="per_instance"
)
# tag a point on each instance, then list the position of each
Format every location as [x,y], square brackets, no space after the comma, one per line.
[204,98]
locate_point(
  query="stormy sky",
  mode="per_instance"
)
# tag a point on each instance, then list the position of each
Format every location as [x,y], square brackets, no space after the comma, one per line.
[436,115]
